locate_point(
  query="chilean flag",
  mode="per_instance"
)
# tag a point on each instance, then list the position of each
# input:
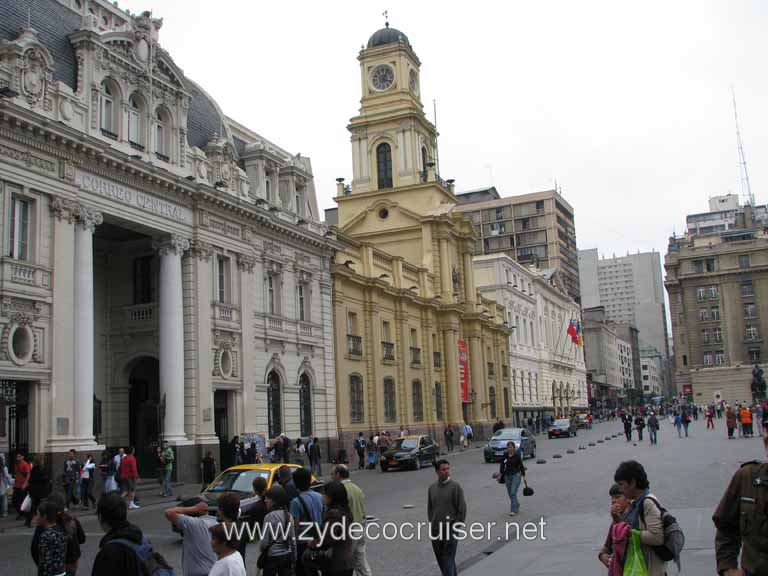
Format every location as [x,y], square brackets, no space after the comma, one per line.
[572,331]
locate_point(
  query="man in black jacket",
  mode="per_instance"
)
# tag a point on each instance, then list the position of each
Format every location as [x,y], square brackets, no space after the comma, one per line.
[115,559]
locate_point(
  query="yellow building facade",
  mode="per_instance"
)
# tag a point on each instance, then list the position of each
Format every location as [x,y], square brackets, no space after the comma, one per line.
[416,346]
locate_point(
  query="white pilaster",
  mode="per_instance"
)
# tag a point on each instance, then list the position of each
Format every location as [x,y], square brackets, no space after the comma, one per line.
[87,220]
[171,328]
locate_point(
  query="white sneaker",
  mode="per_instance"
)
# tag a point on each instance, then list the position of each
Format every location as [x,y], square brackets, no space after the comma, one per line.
[133,506]
[513,513]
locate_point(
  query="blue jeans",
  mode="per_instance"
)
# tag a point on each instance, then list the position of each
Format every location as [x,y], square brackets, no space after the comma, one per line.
[513,484]
[167,483]
[652,433]
[445,554]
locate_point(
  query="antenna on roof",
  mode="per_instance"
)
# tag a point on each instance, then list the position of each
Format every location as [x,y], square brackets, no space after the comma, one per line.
[746,189]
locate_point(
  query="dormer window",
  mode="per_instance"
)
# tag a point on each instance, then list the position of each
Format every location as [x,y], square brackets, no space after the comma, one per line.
[109,109]
[135,127]
[162,136]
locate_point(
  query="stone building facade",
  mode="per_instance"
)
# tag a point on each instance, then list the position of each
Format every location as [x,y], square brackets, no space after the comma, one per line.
[717,280]
[416,345]
[164,271]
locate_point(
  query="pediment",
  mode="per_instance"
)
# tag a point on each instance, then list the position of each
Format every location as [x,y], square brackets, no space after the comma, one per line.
[380,216]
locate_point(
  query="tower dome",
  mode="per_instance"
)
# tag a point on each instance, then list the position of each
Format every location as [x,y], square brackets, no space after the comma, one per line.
[387,35]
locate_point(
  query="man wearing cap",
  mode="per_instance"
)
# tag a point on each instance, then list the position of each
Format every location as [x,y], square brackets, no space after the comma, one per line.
[197,555]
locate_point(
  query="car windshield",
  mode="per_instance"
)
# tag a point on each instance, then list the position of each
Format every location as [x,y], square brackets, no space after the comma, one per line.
[506,434]
[562,422]
[405,444]
[238,480]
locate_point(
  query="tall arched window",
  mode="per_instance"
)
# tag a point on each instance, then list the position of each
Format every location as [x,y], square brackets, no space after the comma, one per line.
[418,404]
[136,121]
[424,160]
[522,386]
[110,108]
[492,401]
[530,387]
[514,384]
[355,398]
[162,135]
[274,412]
[390,407]
[305,405]
[438,401]
[384,165]
[505,393]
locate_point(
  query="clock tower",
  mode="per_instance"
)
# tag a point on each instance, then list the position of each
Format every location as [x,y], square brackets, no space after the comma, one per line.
[393,144]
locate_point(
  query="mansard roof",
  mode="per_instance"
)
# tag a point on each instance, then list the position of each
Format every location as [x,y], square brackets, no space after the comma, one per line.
[54,24]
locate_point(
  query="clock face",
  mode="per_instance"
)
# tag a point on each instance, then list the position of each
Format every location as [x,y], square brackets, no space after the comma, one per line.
[414,82]
[382,77]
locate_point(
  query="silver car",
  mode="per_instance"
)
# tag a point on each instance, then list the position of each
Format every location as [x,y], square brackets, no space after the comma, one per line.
[497,446]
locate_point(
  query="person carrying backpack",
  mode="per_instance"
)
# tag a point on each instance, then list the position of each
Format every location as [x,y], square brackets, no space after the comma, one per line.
[661,539]
[124,551]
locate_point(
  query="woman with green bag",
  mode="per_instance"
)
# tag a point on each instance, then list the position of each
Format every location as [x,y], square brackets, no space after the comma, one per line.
[647,526]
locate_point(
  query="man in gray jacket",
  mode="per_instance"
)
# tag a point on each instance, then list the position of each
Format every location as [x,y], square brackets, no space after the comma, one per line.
[446,508]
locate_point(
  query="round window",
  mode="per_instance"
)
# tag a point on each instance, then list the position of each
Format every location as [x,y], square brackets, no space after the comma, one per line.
[383,213]
[225,361]
[21,344]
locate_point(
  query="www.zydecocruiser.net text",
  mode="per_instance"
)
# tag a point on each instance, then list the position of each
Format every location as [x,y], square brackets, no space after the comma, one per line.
[389,531]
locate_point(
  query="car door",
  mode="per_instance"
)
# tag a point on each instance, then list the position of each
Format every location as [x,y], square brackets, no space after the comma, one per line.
[431,450]
[525,441]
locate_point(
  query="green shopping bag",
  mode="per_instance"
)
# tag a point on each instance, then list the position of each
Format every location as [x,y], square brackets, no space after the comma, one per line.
[634,561]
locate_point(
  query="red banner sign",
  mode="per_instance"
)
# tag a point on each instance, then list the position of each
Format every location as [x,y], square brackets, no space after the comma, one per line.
[687,389]
[463,371]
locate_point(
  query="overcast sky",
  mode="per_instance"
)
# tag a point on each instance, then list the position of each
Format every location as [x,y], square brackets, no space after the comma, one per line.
[627,105]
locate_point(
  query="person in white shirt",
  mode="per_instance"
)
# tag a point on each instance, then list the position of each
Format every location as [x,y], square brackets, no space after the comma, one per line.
[230,563]
[86,482]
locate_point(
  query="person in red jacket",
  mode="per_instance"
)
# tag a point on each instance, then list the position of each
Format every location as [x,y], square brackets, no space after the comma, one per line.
[129,475]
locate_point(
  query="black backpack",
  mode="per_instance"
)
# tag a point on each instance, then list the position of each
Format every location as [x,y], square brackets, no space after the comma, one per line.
[674,539]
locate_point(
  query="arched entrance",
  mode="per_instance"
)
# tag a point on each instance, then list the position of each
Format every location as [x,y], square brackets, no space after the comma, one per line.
[144,410]
[305,405]
[274,402]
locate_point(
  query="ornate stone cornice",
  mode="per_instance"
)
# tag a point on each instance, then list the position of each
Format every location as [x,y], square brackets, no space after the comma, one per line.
[170,245]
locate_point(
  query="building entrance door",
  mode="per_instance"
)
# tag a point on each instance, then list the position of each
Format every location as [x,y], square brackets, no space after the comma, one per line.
[221,427]
[144,413]
[14,417]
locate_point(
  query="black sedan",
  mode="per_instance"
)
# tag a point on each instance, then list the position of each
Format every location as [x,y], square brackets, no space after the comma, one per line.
[562,428]
[410,452]
[497,446]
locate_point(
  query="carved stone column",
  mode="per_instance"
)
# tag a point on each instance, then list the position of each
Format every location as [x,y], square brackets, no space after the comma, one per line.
[87,220]
[171,327]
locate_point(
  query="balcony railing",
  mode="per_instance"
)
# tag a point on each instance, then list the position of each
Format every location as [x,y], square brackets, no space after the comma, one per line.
[225,312]
[274,323]
[354,345]
[437,359]
[491,370]
[388,351]
[109,134]
[415,355]
[305,329]
[136,145]
[162,157]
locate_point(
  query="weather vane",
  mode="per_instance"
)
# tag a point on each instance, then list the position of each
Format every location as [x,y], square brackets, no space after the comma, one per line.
[386,18]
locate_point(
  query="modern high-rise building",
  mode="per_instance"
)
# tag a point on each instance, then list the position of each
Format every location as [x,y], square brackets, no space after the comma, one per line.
[535,228]
[717,280]
[630,289]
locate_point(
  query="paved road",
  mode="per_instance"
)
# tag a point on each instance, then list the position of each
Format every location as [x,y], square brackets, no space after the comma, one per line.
[689,475]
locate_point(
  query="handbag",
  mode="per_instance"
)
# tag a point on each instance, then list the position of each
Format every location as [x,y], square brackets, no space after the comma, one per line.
[634,561]
[316,559]
[262,560]
[527,491]
[26,505]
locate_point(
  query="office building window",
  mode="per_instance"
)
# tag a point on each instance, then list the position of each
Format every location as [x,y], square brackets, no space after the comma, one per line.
[21,210]
[710,264]
[744,261]
[719,358]
[754,356]
[222,279]
[747,290]
[750,311]
[751,332]
[418,405]
[698,266]
[713,292]
[705,336]
[390,407]
[703,314]
[715,313]
[717,335]
[356,398]
[304,302]
[707,358]
[438,401]
[701,293]
[274,286]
